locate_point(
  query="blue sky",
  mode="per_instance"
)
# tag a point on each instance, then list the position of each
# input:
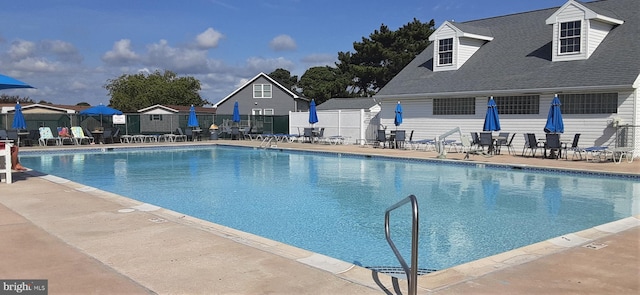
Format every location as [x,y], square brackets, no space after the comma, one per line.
[69,49]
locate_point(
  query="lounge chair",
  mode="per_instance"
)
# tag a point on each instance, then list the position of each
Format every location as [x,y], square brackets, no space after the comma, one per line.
[79,137]
[46,136]
[180,135]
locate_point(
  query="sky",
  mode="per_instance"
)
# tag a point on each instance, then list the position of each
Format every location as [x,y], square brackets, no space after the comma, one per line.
[69,49]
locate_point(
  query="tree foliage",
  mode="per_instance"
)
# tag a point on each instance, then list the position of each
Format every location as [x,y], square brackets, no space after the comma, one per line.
[323,83]
[15,99]
[383,55]
[284,78]
[130,93]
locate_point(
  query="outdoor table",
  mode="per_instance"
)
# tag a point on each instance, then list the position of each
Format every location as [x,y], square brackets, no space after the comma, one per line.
[21,135]
[196,134]
[98,135]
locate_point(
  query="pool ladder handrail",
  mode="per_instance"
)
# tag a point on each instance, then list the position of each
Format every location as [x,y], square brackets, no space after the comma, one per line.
[411,273]
[266,141]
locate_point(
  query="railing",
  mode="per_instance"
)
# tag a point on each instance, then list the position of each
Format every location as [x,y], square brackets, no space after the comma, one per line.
[266,142]
[411,273]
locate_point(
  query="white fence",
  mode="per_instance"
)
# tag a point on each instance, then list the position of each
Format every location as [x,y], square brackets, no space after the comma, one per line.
[355,125]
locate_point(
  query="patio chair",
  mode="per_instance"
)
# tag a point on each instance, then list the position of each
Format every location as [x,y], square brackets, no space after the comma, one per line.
[508,143]
[400,139]
[503,137]
[111,135]
[486,140]
[531,144]
[553,145]
[475,139]
[46,136]
[381,139]
[574,148]
[235,133]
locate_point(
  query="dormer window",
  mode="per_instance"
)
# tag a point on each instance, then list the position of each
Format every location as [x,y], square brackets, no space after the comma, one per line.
[578,30]
[570,37]
[445,51]
[455,43]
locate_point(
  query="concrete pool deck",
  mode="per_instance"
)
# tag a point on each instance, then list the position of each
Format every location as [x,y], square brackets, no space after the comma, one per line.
[86,241]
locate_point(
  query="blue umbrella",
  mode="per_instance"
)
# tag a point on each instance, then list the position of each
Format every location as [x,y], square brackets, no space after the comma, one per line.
[18,119]
[554,119]
[398,119]
[100,110]
[7,82]
[491,119]
[236,113]
[313,115]
[193,120]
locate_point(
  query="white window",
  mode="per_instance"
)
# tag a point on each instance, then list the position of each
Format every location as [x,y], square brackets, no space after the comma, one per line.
[256,112]
[268,112]
[570,33]
[261,90]
[445,51]
[155,117]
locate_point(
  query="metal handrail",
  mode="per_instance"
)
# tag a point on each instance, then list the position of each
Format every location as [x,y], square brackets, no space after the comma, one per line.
[412,273]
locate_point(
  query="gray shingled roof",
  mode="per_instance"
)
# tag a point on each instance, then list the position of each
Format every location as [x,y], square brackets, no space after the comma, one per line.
[519,58]
[347,103]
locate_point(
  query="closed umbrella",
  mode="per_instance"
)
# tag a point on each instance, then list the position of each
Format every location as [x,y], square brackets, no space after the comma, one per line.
[554,119]
[18,118]
[491,119]
[236,113]
[193,120]
[7,82]
[313,115]
[398,119]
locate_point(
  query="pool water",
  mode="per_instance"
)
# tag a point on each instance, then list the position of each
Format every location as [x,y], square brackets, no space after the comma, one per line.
[334,204]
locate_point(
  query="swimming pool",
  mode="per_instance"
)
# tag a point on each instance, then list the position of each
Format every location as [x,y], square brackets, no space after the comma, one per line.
[334,204]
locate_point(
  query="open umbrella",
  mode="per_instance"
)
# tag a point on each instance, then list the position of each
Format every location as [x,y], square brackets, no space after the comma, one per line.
[193,120]
[491,119]
[554,119]
[313,115]
[100,110]
[7,82]
[398,119]
[236,113]
[18,118]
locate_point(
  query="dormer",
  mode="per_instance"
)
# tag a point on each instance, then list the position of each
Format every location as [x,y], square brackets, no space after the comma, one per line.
[455,43]
[578,30]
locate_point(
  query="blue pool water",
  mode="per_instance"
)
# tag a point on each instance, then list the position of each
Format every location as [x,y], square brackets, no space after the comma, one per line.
[334,204]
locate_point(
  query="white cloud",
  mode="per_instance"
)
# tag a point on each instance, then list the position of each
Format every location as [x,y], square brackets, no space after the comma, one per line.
[257,65]
[181,60]
[120,54]
[316,60]
[33,64]
[282,43]
[63,51]
[21,49]
[208,39]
